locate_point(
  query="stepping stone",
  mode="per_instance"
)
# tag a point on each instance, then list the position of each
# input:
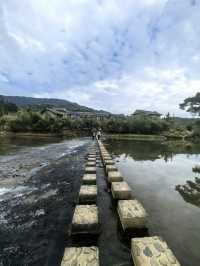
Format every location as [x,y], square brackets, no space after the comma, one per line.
[108,162]
[132,214]
[150,251]
[92,156]
[91,159]
[110,168]
[91,163]
[104,152]
[89,179]
[90,170]
[120,190]
[88,193]
[85,220]
[114,176]
[107,158]
[83,256]
[92,152]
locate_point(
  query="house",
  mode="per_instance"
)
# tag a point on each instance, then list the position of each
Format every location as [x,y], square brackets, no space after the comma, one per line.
[145,113]
[64,113]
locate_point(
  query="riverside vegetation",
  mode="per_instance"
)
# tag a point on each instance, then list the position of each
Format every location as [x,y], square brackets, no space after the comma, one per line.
[31,119]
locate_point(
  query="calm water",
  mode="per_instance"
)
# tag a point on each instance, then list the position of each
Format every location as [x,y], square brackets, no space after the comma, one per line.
[10,144]
[162,178]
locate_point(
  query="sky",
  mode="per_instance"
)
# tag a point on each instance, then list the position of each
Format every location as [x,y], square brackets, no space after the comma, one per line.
[115,55]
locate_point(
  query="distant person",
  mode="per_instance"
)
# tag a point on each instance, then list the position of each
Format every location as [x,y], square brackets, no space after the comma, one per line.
[98,134]
[93,135]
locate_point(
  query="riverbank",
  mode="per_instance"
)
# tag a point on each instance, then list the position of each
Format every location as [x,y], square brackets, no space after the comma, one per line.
[135,137]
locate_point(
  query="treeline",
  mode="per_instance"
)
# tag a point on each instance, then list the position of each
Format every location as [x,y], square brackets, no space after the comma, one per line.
[29,120]
[6,107]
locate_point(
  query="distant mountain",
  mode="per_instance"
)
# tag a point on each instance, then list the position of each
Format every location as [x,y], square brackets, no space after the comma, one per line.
[22,101]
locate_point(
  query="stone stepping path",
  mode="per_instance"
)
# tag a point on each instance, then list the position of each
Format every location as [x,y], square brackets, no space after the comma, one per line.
[85,220]
[149,251]
[83,256]
[121,190]
[89,179]
[145,251]
[90,169]
[132,214]
[88,193]
[114,176]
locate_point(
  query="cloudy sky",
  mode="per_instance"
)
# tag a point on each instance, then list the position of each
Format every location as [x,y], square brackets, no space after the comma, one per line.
[116,55]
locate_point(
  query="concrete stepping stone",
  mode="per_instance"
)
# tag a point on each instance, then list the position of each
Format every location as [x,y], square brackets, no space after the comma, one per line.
[90,170]
[104,152]
[88,193]
[150,251]
[110,168]
[92,156]
[106,158]
[120,190]
[132,214]
[85,220]
[114,176]
[91,163]
[89,179]
[92,152]
[108,162]
[93,159]
[81,256]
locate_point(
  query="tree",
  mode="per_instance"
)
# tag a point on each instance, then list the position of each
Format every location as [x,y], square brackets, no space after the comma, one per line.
[192,104]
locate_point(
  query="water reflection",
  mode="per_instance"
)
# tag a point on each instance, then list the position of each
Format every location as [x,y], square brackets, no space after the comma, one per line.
[162,177]
[11,143]
[152,150]
[191,190]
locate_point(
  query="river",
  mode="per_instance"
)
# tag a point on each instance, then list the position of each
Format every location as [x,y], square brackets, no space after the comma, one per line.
[39,184]
[162,177]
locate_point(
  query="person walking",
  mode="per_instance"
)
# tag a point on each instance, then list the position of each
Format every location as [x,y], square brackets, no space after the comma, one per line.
[99,134]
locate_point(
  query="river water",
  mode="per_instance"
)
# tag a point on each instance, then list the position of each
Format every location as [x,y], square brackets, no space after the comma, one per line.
[39,184]
[162,177]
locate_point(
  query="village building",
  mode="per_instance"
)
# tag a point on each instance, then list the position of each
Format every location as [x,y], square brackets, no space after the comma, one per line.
[64,113]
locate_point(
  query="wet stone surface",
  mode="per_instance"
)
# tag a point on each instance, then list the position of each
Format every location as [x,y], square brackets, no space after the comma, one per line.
[84,256]
[114,176]
[121,190]
[152,251]
[37,206]
[132,214]
[85,219]
[88,193]
[89,179]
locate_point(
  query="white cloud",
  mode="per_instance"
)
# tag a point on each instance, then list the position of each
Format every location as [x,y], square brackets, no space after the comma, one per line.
[117,55]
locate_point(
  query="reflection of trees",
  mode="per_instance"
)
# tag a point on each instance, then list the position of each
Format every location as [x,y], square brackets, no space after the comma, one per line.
[148,150]
[190,191]
[196,169]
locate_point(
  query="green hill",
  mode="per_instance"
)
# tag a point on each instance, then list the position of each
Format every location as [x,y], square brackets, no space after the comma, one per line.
[21,101]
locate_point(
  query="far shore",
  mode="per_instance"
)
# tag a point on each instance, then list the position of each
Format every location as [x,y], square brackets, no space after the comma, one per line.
[74,134]
[136,137]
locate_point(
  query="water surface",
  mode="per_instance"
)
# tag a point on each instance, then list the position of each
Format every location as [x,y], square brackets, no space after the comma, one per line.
[161,176]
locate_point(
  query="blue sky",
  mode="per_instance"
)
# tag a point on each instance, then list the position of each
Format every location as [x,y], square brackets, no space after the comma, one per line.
[117,55]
